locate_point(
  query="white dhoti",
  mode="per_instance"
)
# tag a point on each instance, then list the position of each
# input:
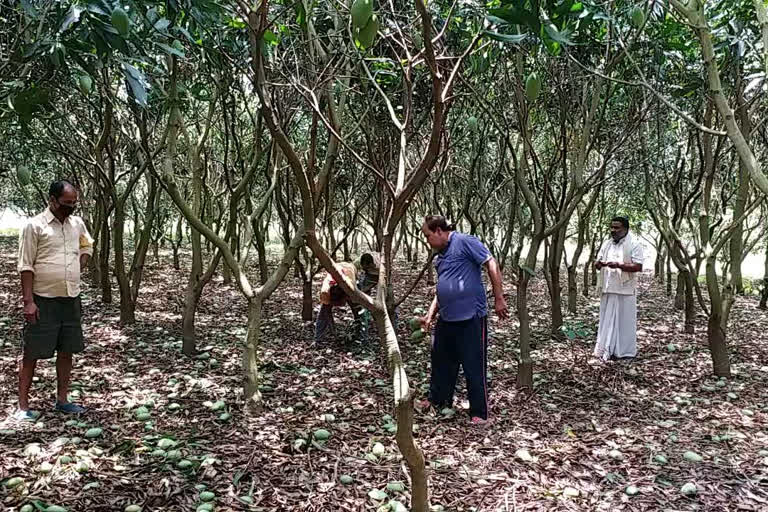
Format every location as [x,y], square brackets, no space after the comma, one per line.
[617,332]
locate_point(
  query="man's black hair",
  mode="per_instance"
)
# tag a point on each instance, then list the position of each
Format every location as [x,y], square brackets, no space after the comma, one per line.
[624,221]
[57,188]
[434,222]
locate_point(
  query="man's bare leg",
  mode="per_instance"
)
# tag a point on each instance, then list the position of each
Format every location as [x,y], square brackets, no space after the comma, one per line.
[26,372]
[63,376]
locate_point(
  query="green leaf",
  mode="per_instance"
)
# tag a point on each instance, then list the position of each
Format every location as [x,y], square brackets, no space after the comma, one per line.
[506,38]
[270,37]
[301,15]
[136,82]
[557,35]
[171,50]
[29,8]
[72,17]
[237,23]
[515,16]
[162,25]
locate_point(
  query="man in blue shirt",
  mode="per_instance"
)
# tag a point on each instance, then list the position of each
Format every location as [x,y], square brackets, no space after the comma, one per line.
[461,333]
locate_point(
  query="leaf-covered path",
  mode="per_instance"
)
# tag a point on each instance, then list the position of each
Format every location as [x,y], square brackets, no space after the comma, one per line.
[591,436]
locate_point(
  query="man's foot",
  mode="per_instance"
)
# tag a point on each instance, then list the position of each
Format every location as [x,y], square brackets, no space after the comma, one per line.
[30,416]
[478,421]
[422,405]
[69,408]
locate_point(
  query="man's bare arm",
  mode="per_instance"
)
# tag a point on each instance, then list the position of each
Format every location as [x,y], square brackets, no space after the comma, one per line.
[494,272]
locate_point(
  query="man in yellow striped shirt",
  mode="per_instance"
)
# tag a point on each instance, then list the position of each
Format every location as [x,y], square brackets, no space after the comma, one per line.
[54,247]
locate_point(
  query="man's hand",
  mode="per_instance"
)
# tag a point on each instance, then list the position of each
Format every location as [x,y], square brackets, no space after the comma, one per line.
[613,264]
[600,264]
[501,307]
[31,313]
[426,322]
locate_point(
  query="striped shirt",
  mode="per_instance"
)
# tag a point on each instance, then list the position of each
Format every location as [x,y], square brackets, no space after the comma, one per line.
[51,250]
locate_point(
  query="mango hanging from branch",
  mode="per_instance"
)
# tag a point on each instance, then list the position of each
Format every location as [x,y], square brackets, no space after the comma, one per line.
[361,11]
[84,83]
[23,175]
[638,16]
[120,21]
[532,87]
[367,34]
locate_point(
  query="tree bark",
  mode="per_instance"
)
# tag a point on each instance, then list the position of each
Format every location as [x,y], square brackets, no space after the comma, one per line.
[680,292]
[104,252]
[764,292]
[251,356]
[556,290]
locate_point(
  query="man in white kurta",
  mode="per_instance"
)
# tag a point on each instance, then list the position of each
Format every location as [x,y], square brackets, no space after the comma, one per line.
[619,261]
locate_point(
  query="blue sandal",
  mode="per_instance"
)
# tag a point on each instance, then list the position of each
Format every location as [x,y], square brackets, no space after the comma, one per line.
[69,408]
[26,416]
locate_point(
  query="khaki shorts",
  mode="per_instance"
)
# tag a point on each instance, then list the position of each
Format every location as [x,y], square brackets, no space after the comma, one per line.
[57,330]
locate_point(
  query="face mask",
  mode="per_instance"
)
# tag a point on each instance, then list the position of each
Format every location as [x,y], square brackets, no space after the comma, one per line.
[65,210]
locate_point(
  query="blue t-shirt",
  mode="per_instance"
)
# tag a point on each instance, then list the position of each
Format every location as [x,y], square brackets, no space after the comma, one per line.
[460,289]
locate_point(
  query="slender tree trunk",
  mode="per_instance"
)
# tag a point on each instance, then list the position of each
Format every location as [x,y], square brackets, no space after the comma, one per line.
[572,289]
[106,282]
[136,273]
[556,289]
[669,276]
[764,291]
[127,306]
[716,338]
[306,286]
[736,246]
[718,347]
[251,355]
[94,263]
[176,244]
[525,364]
[261,249]
[680,293]
[690,305]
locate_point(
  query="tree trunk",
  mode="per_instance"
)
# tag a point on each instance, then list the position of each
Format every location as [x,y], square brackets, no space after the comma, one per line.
[261,249]
[136,273]
[669,276]
[572,289]
[306,286]
[191,300]
[658,266]
[764,292]
[556,289]
[716,337]
[736,246]
[718,348]
[690,305]
[525,364]
[176,245]
[430,274]
[127,306]
[251,356]
[414,457]
[95,228]
[106,282]
[680,293]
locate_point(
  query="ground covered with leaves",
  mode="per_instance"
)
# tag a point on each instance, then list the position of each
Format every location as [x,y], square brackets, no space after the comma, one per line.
[166,432]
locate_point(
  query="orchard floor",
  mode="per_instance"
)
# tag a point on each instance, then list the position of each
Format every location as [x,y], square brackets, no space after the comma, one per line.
[587,432]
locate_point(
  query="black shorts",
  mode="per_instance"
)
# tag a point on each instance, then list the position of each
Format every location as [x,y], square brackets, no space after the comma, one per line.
[58,328]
